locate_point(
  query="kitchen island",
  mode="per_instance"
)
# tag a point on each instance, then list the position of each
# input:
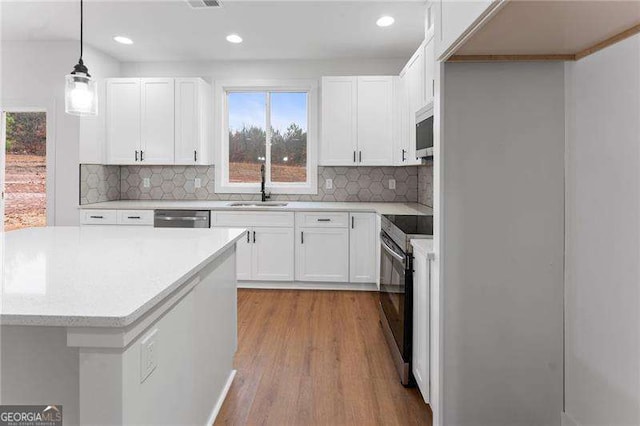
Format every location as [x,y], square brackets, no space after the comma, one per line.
[119,327]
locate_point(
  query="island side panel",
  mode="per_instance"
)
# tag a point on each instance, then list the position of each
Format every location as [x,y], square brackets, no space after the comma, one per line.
[38,368]
[194,343]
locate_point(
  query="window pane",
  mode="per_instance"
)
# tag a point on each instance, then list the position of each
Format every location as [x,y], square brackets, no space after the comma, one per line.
[289,139]
[247,136]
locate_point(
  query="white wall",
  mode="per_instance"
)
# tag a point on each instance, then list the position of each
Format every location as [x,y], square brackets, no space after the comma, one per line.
[277,69]
[502,159]
[603,237]
[33,76]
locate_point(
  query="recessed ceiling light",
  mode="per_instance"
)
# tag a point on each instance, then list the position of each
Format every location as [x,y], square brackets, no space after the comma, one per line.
[234,38]
[123,40]
[385,21]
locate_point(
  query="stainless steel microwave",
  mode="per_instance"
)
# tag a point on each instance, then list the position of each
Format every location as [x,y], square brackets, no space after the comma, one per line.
[424,131]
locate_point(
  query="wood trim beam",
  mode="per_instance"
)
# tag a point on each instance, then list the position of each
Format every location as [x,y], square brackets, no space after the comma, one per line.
[608,42]
[510,58]
[550,57]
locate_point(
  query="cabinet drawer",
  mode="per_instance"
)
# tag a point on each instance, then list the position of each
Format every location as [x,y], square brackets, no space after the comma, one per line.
[98,217]
[322,220]
[135,217]
[252,218]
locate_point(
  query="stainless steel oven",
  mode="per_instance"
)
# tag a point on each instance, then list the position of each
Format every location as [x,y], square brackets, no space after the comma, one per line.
[396,302]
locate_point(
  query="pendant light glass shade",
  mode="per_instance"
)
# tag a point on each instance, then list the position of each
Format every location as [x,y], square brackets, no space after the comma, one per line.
[81,95]
[80,90]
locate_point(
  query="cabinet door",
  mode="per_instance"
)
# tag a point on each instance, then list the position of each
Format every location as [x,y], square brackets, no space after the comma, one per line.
[157,120]
[273,255]
[375,121]
[338,144]
[187,122]
[244,257]
[322,254]
[123,120]
[415,88]
[363,242]
[429,69]
[421,324]
[192,117]
[401,146]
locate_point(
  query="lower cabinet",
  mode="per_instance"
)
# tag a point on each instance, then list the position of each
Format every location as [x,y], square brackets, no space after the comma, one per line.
[421,322]
[322,254]
[363,244]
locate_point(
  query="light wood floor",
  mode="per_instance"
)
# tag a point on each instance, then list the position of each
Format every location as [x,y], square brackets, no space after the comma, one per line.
[315,358]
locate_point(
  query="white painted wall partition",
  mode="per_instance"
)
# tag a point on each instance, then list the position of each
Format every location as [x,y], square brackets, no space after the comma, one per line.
[602,298]
[501,259]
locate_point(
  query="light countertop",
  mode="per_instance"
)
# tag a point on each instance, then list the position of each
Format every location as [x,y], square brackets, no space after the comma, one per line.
[380,208]
[100,276]
[423,247]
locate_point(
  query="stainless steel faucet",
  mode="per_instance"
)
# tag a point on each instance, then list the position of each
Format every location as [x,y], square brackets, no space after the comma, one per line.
[265,196]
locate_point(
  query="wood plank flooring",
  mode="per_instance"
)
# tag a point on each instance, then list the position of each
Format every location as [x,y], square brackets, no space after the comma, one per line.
[315,358]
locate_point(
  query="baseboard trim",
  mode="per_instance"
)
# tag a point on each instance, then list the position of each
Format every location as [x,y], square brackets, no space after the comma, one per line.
[221,398]
[299,285]
[567,420]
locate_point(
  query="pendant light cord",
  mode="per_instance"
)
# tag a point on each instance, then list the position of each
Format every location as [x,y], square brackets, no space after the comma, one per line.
[81,27]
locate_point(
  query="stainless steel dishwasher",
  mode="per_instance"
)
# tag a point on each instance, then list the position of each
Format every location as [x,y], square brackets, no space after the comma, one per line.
[181,219]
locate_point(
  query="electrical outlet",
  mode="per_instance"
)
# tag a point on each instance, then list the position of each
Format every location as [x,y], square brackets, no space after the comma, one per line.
[197,183]
[148,354]
[328,184]
[146,182]
[392,184]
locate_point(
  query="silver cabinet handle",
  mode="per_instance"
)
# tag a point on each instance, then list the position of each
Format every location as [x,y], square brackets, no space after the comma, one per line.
[136,155]
[354,156]
[404,153]
[301,237]
[248,237]
[195,156]
[353,222]
[254,236]
[96,217]
[133,217]
[324,220]
[141,153]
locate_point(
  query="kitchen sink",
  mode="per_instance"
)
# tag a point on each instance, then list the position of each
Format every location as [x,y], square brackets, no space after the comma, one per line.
[257,204]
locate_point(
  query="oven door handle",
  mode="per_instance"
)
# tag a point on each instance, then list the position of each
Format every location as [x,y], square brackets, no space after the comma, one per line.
[392,252]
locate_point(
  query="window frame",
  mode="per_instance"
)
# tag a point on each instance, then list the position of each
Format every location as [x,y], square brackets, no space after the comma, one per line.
[222,88]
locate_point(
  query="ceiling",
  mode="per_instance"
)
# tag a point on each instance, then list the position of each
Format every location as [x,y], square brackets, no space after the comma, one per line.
[524,27]
[170,30]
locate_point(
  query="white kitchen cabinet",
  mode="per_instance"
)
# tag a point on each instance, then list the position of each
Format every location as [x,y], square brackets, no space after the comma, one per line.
[411,98]
[98,217]
[157,120]
[421,321]
[135,217]
[273,255]
[339,134]
[375,120]
[123,120]
[322,254]
[192,114]
[244,257]
[357,121]
[363,244]
[429,69]
[267,252]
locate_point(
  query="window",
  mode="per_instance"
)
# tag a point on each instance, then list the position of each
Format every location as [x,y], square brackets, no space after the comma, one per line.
[270,125]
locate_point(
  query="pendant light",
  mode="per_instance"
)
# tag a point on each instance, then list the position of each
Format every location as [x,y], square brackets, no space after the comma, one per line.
[81,91]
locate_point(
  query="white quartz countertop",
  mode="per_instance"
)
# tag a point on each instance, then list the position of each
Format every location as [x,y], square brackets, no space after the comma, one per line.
[380,208]
[99,276]
[423,246]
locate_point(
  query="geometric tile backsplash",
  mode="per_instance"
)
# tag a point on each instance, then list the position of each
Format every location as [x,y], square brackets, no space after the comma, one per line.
[100,183]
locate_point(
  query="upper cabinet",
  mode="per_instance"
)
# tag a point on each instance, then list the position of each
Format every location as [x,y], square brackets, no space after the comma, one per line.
[192,121]
[357,121]
[157,121]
